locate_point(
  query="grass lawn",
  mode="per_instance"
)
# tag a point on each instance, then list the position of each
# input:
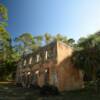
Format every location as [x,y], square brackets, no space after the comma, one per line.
[9,91]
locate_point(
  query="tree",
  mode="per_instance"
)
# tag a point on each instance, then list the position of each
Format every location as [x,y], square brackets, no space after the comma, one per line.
[26,41]
[48,38]
[71,42]
[58,37]
[87,55]
[5,42]
[3,15]
[65,39]
[7,63]
[38,41]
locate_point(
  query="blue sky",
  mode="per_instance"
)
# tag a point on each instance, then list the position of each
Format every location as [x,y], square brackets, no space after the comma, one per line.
[72,18]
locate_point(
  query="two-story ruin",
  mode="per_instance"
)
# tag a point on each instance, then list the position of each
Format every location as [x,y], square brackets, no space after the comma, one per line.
[50,64]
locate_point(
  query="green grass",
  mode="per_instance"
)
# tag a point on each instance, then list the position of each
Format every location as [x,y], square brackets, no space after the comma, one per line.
[9,91]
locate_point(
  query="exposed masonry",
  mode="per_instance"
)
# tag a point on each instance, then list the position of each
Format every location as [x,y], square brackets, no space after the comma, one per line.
[50,64]
[41,55]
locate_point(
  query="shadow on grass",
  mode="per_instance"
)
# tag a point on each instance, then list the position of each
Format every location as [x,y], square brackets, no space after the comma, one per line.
[11,92]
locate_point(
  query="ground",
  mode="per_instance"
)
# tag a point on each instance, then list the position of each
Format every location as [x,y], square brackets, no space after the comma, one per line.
[9,91]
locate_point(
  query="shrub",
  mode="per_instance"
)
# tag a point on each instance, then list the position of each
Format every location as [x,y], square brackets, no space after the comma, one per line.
[49,90]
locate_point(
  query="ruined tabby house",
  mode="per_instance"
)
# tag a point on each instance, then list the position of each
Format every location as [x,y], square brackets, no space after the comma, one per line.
[50,64]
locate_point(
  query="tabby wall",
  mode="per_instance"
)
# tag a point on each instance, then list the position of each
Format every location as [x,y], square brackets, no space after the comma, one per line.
[69,78]
[62,73]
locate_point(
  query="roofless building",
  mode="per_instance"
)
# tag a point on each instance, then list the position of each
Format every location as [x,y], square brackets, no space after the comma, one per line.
[52,65]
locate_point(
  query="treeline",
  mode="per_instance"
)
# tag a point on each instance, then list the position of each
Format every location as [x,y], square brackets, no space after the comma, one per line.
[27,43]
[86,55]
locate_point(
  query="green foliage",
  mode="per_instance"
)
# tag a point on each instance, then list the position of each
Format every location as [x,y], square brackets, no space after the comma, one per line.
[3,15]
[4,24]
[87,55]
[38,41]
[27,43]
[71,42]
[58,37]
[7,54]
[48,38]
[3,12]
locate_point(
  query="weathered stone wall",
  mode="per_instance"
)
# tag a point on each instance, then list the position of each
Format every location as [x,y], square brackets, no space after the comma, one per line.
[61,72]
[63,51]
[41,67]
[69,77]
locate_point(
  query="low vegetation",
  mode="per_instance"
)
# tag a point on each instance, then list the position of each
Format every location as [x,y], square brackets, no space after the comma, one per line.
[11,92]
